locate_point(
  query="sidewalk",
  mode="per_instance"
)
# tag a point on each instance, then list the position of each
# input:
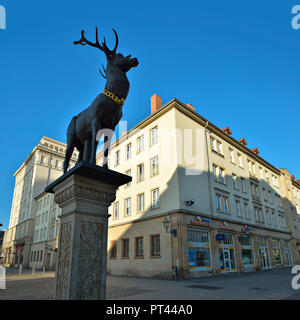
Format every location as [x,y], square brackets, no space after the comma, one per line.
[264,285]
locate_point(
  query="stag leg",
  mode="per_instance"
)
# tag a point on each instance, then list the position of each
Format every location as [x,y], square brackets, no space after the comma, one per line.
[87,150]
[69,151]
[80,155]
[94,143]
[107,140]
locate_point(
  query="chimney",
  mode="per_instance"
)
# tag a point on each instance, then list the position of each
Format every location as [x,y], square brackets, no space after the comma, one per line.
[190,106]
[155,103]
[255,150]
[292,177]
[243,141]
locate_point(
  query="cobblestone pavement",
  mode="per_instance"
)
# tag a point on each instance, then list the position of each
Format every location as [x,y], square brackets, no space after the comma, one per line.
[271,284]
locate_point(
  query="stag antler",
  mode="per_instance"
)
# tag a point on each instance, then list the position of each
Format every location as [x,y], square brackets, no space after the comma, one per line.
[83,41]
[104,72]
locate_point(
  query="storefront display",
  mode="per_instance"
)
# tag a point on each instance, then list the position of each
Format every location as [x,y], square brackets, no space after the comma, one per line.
[276,252]
[247,250]
[199,250]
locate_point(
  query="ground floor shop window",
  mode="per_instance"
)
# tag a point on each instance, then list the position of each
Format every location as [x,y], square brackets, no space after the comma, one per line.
[276,252]
[287,253]
[247,250]
[247,257]
[199,250]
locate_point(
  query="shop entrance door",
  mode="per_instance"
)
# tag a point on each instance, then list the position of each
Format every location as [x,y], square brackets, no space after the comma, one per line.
[288,256]
[263,251]
[227,259]
[227,263]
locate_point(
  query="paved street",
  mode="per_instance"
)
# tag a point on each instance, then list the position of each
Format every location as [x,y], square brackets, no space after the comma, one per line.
[271,284]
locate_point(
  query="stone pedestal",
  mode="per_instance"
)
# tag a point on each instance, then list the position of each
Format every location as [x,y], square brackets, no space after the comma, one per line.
[84,194]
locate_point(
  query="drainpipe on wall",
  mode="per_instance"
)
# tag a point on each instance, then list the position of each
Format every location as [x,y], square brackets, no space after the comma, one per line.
[208,171]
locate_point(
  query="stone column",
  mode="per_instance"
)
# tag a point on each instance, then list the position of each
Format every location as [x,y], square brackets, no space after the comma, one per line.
[84,194]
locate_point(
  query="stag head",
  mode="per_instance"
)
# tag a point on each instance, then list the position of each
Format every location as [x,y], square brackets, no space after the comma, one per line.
[113,58]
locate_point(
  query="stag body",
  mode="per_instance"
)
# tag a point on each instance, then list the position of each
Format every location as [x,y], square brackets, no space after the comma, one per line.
[104,113]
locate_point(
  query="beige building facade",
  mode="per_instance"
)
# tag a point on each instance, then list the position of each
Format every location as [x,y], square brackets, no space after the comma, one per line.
[200,202]
[226,205]
[42,166]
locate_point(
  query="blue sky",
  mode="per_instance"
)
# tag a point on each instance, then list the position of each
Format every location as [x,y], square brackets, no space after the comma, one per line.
[237,63]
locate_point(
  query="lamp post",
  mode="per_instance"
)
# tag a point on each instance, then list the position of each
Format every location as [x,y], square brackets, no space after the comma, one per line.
[173,232]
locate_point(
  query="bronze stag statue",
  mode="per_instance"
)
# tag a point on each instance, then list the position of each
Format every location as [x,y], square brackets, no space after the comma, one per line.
[105,112]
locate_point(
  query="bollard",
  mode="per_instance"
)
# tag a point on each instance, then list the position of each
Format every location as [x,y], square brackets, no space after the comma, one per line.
[43,271]
[33,270]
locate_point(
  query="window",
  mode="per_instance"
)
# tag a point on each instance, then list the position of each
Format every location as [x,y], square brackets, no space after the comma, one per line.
[140,143]
[154,166]
[41,255]
[128,173]
[216,146]
[240,160]
[265,194]
[225,204]
[141,202]
[231,155]
[268,216]
[261,172]
[116,210]
[42,159]
[247,250]
[255,191]
[247,210]
[219,174]
[153,136]
[125,248]
[238,208]
[276,252]
[155,245]
[213,144]
[243,184]
[128,151]
[234,178]
[113,250]
[155,198]
[218,200]
[227,239]
[258,214]
[274,219]
[117,158]
[127,206]
[270,197]
[282,220]
[140,172]
[222,203]
[139,247]
[220,147]
[199,249]
[251,168]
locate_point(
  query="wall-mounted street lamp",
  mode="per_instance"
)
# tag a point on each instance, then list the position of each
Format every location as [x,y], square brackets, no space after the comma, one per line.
[173,233]
[166,224]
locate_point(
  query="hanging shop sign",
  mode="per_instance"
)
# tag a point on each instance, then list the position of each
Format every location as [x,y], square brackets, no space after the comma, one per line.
[224,225]
[201,221]
[221,236]
[247,229]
